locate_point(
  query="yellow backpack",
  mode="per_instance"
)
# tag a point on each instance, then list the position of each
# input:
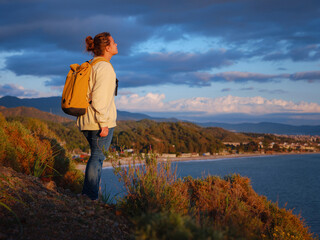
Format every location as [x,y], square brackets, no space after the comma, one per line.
[74,97]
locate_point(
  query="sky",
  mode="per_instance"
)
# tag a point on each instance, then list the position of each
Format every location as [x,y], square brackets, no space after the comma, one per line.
[199,60]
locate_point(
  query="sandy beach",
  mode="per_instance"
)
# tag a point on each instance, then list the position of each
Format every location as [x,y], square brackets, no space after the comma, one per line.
[127,160]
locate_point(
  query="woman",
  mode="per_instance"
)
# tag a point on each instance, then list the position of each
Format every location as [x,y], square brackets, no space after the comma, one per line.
[99,121]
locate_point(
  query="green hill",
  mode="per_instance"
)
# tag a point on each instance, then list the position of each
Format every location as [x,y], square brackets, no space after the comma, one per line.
[33,113]
[166,137]
[143,135]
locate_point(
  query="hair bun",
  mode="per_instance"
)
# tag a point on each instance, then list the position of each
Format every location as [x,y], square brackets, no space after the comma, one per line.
[89,44]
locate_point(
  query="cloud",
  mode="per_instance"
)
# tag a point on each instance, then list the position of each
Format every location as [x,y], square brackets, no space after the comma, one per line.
[310,76]
[281,69]
[211,106]
[258,25]
[139,70]
[275,91]
[16,90]
[304,53]
[36,30]
[49,63]
[149,69]
[226,90]
[232,31]
[261,26]
[240,77]
[143,103]
[247,89]
[120,93]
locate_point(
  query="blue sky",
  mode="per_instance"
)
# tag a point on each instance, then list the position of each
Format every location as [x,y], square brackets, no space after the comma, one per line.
[196,60]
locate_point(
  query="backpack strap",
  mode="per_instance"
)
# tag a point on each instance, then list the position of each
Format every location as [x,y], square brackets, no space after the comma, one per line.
[100,59]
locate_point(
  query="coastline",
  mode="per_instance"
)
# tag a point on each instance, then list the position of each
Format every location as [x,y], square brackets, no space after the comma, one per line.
[128,160]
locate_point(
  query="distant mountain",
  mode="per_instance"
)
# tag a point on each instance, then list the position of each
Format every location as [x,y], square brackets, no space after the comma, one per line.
[123,115]
[266,127]
[49,104]
[53,105]
[33,113]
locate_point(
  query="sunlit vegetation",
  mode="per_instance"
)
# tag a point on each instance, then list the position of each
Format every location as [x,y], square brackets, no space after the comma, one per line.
[163,137]
[32,148]
[67,133]
[160,205]
[164,207]
[172,137]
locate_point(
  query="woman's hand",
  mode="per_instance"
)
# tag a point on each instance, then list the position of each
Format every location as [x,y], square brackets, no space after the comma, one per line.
[104,132]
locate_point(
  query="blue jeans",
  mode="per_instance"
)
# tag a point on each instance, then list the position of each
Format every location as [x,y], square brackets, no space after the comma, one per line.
[94,165]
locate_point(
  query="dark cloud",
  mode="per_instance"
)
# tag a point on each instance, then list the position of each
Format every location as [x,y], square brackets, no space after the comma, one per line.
[147,69]
[50,35]
[275,91]
[142,69]
[226,90]
[305,53]
[173,68]
[247,89]
[46,63]
[175,62]
[241,21]
[56,82]
[241,77]
[306,76]
[281,69]
[61,22]
[69,34]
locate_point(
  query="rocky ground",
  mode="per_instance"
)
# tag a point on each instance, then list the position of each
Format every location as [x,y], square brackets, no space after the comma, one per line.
[44,211]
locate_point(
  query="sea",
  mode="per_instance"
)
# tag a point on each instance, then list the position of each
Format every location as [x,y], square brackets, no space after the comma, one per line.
[293,181]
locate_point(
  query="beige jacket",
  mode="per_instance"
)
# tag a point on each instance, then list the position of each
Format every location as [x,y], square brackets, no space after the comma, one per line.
[102,110]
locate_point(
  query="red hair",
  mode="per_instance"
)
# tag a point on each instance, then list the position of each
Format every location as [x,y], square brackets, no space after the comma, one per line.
[98,44]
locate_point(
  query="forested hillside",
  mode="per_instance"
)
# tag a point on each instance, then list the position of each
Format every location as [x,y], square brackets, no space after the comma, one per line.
[172,137]
[146,135]
[33,113]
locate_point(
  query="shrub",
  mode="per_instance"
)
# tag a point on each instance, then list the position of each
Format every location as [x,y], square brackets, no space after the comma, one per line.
[164,225]
[157,200]
[73,180]
[24,151]
[31,148]
[151,188]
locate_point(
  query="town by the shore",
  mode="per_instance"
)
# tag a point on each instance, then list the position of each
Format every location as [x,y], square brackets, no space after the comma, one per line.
[130,160]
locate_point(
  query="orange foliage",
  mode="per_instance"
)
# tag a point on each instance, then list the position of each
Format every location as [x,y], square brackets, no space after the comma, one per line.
[34,150]
[228,205]
[27,148]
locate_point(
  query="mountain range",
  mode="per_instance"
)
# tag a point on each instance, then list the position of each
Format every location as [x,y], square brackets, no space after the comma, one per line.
[266,127]
[33,113]
[52,106]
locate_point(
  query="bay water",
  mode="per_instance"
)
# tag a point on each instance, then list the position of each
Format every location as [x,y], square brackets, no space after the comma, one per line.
[293,181]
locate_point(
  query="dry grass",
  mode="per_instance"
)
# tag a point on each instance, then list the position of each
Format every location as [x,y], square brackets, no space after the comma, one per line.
[32,149]
[150,188]
[210,206]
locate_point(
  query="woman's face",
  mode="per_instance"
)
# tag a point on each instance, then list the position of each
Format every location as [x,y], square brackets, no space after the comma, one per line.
[112,48]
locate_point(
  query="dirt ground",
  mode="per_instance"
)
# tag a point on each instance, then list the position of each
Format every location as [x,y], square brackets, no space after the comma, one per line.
[44,211]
